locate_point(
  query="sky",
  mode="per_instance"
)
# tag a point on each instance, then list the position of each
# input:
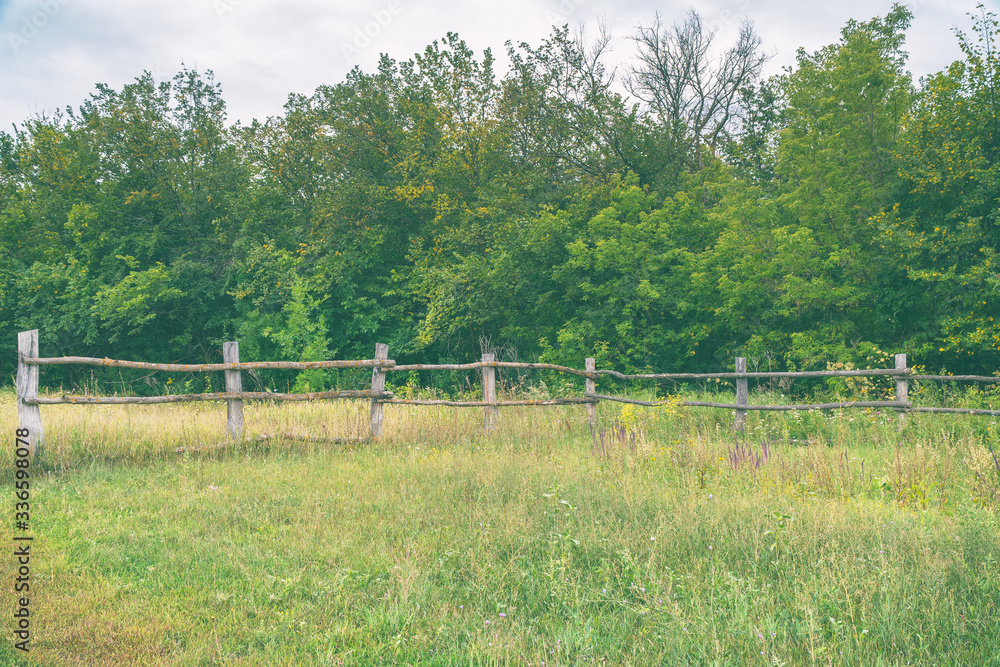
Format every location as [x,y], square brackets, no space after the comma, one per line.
[54,52]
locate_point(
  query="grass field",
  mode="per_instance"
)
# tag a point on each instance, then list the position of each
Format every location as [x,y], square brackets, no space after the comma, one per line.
[661,539]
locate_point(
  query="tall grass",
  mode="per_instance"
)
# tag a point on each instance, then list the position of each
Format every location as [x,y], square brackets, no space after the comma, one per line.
[658,538]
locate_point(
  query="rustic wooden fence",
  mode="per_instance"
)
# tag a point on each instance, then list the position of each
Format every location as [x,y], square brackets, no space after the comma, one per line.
[29,415]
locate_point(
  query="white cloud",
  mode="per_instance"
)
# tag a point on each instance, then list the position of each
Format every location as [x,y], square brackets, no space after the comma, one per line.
[52,52]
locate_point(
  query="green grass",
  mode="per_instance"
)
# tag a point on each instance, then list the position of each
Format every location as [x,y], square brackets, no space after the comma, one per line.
[670,543]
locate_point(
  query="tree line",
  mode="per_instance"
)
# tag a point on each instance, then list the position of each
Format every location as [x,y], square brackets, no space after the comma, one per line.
[669,214]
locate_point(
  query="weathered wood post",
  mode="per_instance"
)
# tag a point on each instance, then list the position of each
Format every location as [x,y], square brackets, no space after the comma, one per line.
[378,384]
[742,394]
[590,388]
[489,391]
[902,390]
[29,417]
[234,384]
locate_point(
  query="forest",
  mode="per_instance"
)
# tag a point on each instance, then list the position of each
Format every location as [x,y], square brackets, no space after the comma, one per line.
[663,215]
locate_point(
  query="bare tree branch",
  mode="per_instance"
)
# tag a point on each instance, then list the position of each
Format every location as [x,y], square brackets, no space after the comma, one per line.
[694,98]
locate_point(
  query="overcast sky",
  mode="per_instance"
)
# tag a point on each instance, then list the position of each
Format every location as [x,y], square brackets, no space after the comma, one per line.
[53,52]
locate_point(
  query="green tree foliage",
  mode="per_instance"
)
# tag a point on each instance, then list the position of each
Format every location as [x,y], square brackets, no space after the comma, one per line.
[118,219]
[625,273]
[752,147]
[432,204]
[944,228]
[393,180]
[566,122]
[796,272]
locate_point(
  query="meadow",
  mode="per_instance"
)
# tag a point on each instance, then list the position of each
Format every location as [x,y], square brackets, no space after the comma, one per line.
[660,538]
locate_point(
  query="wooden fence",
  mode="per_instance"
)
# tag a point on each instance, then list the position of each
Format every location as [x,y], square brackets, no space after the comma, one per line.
[29,415]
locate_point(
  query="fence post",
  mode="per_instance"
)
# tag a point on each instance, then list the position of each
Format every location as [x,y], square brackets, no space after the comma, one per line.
[902,390]
[378,384]
[489,390]
[742,394]
[234,384]
[590,388]
[29,417]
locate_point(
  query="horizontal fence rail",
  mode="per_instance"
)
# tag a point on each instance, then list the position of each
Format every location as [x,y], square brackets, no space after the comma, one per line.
[958,411]
[901,405]
[199,368]
[217,396]
[494,404]
[29,361]
[494,364]
[761,376]
[945,378]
